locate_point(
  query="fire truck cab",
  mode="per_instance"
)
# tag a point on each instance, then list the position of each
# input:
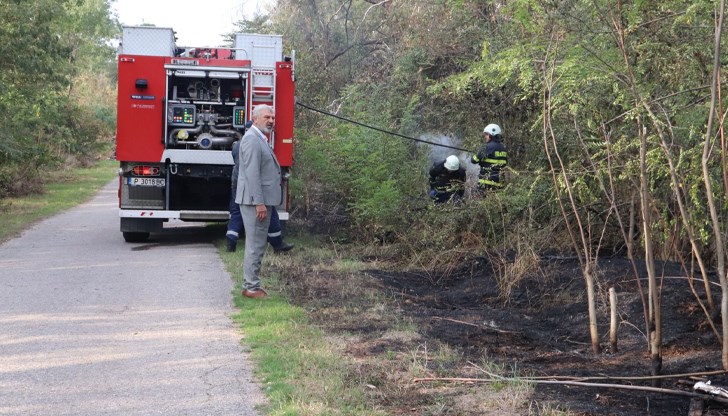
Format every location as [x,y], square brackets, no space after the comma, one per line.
[179,112]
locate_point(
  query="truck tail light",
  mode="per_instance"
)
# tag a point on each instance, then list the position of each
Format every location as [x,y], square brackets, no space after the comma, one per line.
[142,170]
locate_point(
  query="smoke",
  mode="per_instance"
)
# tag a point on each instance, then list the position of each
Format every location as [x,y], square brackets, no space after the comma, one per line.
[439,153]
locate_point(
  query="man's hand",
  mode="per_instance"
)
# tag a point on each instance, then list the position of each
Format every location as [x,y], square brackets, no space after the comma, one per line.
[261,211]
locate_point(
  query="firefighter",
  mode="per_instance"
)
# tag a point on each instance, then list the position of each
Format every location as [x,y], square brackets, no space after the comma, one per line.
[447,180]
[492,157]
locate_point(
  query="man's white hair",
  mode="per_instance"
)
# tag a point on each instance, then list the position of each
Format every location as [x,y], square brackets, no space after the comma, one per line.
[260,108]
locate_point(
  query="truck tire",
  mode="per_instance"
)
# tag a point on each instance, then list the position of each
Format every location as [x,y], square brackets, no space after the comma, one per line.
[134,237]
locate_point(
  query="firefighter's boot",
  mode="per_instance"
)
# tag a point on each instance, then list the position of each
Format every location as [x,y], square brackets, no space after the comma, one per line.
[231,244]
[283,247]
[275,239]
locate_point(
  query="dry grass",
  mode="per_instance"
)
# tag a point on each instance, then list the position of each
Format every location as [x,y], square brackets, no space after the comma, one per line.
[547,409]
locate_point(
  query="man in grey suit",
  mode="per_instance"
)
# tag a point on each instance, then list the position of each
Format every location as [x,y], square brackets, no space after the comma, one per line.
[259,190]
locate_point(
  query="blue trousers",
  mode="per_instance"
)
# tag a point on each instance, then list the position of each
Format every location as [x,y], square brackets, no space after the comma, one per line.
[235,224]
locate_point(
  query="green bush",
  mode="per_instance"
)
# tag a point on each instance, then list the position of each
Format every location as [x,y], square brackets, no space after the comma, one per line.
[374,176]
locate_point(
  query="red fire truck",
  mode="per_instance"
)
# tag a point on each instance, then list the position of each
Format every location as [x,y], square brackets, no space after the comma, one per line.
[179,112]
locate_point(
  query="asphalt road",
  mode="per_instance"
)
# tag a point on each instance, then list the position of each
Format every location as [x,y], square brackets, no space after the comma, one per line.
[91,325]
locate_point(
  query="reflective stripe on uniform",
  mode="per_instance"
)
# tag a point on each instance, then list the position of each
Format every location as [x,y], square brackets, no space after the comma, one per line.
[489,182]
[495,161]
[276,234]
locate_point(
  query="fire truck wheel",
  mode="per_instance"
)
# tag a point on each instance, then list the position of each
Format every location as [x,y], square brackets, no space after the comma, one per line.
[130,237]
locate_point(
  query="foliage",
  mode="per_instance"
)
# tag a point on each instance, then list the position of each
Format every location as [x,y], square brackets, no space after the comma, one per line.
[605,71]
[48,48]
[349,62]
[377,187]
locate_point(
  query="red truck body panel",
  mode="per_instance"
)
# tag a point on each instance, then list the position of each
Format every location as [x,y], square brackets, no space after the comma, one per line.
[285,106]
[140,111]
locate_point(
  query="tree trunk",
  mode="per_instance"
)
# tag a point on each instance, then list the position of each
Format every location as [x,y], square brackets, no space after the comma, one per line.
[714,216]
[653,299]
[582,247]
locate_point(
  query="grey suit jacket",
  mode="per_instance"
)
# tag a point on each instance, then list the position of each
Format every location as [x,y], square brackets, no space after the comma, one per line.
[259,174]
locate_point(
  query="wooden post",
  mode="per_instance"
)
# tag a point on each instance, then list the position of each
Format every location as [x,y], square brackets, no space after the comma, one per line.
[613,320]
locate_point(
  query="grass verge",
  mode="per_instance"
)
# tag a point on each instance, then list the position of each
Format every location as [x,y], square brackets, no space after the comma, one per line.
[67,189]
[301,371]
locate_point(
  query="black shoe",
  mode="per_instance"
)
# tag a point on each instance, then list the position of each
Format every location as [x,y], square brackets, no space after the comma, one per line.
[231,247]
[283,248]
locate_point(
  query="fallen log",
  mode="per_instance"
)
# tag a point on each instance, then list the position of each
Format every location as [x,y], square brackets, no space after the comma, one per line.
[576,384]
[492,328]
[630,378]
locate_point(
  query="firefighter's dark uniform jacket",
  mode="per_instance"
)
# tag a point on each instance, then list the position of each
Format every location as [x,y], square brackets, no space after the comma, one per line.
[446,183]
[492,158]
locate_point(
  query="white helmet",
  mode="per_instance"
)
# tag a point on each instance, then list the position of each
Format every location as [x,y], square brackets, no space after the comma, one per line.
[452,163]
[492,129]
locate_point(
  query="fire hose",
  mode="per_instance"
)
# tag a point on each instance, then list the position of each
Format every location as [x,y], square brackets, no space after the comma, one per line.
[380,129]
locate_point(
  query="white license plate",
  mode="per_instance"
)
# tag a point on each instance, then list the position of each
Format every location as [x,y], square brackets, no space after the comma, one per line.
[146,181]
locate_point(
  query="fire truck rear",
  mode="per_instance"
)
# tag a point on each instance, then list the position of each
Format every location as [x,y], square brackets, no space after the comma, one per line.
[179,112]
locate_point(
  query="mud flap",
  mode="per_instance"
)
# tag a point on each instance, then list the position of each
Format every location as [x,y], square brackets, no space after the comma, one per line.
[140,225]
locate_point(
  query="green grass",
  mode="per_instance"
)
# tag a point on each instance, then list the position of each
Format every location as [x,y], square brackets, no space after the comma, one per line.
[68,189]
[301,371]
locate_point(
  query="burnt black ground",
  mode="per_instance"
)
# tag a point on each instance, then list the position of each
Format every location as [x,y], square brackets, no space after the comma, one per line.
[546,319]
[541,328]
